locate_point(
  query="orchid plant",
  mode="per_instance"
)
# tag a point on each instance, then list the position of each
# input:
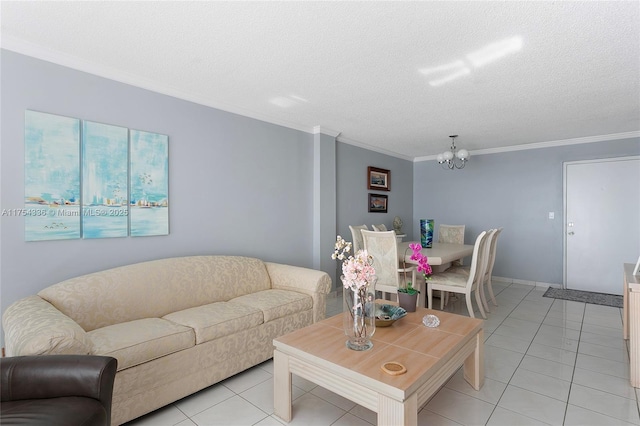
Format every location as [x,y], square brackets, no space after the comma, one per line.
[423,266]
[423,262]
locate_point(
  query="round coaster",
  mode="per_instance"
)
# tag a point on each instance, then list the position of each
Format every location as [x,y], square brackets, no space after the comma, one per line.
[393,368]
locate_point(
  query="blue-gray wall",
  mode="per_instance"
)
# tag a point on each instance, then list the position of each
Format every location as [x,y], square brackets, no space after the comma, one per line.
[352,193]
[237,186]
[353,196]
[515,190]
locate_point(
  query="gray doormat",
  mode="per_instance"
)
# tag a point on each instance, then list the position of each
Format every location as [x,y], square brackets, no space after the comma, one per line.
[585,296]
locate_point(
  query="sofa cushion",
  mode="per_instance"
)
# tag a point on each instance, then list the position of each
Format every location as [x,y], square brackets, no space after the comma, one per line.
[217,320]
[136,342]
[50,332]
[155,288]
[276,303]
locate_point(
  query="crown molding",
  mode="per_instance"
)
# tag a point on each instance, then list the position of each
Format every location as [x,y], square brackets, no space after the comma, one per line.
[374,148]
[549,144]
[325,131]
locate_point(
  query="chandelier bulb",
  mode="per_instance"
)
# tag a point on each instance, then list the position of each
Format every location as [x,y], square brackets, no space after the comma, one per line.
[463,154]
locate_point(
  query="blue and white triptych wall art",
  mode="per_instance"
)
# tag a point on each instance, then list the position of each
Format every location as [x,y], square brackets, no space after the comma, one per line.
[91,180]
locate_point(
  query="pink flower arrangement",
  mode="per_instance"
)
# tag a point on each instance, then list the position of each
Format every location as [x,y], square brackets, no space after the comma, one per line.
[358,270]
[358,274]
[423,263]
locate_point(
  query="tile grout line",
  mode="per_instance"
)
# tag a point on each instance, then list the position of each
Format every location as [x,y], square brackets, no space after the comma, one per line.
[525,354]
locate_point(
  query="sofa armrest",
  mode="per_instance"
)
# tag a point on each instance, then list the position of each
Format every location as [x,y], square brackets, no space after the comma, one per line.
[42,377]
[316,284]
[33,326]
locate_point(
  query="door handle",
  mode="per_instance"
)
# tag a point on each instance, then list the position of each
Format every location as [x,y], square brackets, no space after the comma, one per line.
[571,233]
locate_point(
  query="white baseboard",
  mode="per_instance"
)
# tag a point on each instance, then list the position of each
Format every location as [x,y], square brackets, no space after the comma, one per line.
[526,282]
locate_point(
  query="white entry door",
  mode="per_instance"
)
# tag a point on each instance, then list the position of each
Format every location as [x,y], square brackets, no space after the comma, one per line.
[602,222]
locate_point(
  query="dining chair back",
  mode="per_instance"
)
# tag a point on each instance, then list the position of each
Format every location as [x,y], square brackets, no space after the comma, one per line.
[383,247]
[379,228]
[356,237]
[488,271]
[492,260]
[451,234]
[458,282]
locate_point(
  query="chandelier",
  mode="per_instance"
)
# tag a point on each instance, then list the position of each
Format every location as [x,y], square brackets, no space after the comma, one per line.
[453,159]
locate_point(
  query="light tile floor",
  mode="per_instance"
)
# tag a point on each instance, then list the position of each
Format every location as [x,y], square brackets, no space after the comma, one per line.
[547,362]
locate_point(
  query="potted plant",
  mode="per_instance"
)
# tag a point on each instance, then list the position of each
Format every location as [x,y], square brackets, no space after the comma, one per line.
[408,297]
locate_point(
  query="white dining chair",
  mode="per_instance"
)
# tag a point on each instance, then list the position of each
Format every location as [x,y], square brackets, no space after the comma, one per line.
[379,228]
[490,263]
[356,237]
[451,234]
[382,246]
[493,235]
[456,282]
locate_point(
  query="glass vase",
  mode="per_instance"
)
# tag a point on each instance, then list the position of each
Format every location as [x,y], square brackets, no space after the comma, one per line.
[426,233]
[359,322]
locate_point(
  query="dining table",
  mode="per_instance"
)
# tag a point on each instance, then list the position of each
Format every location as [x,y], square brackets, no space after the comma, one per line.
[439,255]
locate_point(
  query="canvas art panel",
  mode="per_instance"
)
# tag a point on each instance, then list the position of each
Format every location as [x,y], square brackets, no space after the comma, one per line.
[105,193]
[149,168]
[52,177]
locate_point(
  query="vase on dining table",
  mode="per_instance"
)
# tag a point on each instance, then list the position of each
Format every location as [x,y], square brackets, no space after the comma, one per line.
[426,233]
[359,322]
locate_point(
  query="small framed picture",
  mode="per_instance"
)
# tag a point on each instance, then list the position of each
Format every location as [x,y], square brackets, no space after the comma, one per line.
[377,203]
[378,179]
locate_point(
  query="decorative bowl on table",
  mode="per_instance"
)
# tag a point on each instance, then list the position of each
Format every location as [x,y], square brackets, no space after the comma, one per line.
[388,314]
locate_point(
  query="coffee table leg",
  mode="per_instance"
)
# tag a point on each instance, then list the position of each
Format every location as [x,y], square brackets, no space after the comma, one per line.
[474,364]
[393,413]
[281,386]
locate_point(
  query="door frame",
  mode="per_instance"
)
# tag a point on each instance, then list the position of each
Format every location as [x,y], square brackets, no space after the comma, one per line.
[565,164]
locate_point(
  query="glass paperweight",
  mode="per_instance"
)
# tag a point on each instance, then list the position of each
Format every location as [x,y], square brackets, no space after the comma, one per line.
[431,320]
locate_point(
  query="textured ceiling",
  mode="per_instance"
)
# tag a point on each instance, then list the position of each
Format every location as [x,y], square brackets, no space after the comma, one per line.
[397,77]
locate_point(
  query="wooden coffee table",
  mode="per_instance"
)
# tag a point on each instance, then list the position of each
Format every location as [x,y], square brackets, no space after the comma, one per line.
[431,356]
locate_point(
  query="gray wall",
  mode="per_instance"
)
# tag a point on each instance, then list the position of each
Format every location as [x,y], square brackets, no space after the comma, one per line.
[236,185]
[352,192]
[515,190]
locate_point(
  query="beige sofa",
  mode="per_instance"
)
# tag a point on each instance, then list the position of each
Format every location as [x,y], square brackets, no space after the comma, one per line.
[175,325]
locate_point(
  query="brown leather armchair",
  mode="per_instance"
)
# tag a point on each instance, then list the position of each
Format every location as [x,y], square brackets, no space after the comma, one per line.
[57,390]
